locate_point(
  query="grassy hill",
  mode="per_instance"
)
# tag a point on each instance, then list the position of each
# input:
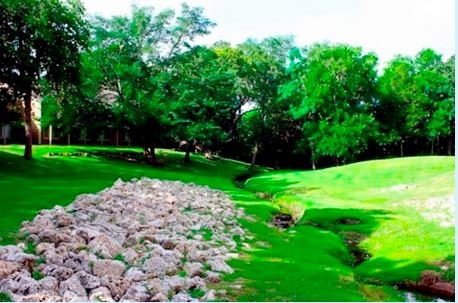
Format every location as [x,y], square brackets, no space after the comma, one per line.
[396,210]
[400,210]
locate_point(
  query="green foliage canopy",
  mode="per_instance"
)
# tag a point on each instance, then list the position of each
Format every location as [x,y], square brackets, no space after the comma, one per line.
[337,84]
[40,40]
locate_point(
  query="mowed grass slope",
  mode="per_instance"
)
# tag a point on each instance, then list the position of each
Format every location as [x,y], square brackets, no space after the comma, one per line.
[29,186]
[402,210]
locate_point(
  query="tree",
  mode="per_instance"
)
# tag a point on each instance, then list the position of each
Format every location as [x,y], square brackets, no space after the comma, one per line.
[132,56]
[39,39]
[263,73]
[337,89]
[292,93]
[232,60]
[434,102]
[395,95]
[416,101]
[442,122]
[201,86]
[425,92]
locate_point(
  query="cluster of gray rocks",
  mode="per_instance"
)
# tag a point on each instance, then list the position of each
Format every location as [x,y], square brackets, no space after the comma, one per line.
[143,240]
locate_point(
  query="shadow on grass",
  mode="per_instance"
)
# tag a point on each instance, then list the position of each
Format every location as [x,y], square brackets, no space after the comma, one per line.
[354,225]
[363,221]
[304,262]
[313,261]
[10,162]
[386,271]
[406,275]
[45,181]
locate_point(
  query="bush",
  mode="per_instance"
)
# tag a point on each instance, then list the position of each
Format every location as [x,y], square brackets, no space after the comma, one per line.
[5,297]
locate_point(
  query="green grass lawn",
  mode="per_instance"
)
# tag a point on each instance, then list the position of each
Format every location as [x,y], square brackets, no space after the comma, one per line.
[395,202]
[308,262]
[28,186]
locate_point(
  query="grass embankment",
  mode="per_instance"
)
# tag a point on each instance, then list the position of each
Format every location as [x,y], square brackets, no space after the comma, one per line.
[401,210]
[28,186]
[308,262]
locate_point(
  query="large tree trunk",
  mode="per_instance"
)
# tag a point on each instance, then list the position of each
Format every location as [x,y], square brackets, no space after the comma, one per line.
[449,145]
[149,143]
[451,138]
[187,155]
[28,124]
[313,158]
[402,148]
[150,154]
[255,154]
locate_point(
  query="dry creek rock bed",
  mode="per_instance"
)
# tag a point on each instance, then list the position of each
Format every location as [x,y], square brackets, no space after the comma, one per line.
[143,240]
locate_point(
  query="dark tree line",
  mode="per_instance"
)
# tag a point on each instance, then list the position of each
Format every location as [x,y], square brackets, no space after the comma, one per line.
[265,102]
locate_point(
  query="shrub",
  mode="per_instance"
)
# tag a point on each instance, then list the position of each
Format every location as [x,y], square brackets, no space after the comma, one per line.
[5,297]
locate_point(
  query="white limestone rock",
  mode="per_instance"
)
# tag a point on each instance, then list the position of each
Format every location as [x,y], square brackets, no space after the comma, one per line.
[7,268]
[100,294]
[135,274]
[87,280]
[112,268]
[105,246]
[136,293]
[155,267]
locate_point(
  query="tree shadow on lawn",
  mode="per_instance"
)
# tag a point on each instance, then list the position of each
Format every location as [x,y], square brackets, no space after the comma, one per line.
[67,164]
[15,165]
[10,162]
[354,225]
[386,271]
[428,282]
[46,181]
[363,221]
[313,260]
[301,263]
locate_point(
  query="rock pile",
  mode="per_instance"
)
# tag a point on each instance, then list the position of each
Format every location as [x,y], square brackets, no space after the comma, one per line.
[143,240]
